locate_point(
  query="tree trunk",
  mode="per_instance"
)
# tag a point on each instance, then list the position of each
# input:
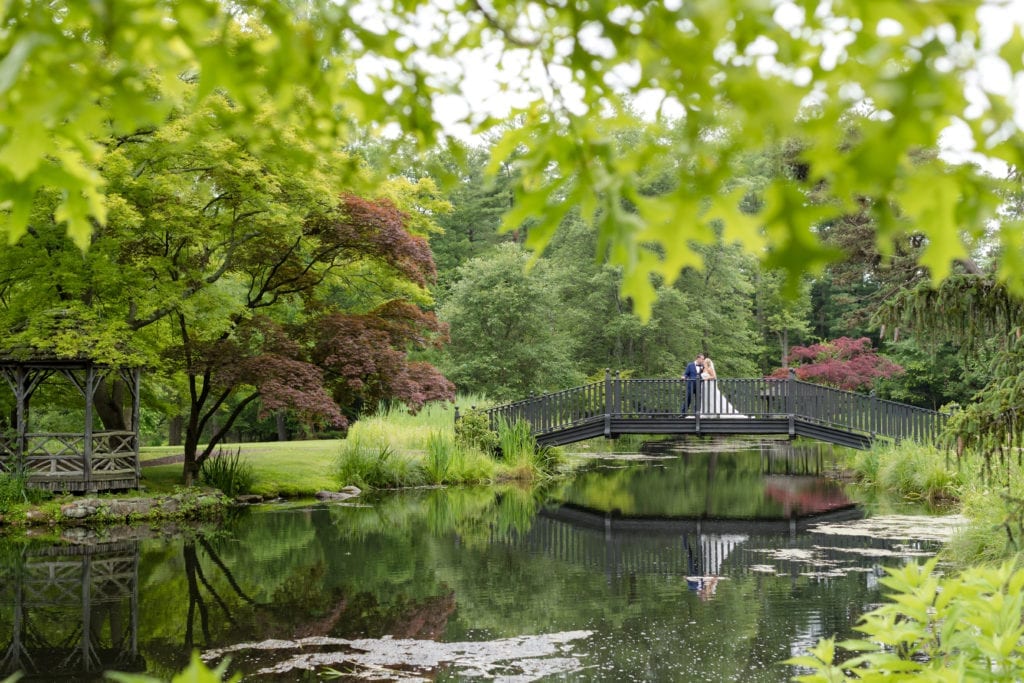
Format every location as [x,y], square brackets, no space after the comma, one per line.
[282,428]
[109,404]
[190,470]
[174,427]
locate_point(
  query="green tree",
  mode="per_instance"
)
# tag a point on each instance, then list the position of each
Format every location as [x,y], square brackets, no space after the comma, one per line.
[606,331]
[234,279]
[505,340]
[721,312]
[471,227]
[782,320]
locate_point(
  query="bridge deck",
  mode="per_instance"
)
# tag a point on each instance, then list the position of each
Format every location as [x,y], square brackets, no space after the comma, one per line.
[725,407]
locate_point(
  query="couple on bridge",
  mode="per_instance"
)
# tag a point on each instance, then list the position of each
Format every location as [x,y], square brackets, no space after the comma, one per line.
[702,389]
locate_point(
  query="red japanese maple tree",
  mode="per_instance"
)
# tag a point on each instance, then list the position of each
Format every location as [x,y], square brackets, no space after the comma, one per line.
[844,363]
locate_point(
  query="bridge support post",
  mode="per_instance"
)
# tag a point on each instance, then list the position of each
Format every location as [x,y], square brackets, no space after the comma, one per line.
[873,415]
[790,402]
[607,403]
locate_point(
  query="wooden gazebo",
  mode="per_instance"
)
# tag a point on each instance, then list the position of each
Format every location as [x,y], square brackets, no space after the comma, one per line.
[94,459]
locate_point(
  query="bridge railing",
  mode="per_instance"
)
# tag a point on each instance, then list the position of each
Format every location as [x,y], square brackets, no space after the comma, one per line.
[865,413]
[555,411]
[731,397]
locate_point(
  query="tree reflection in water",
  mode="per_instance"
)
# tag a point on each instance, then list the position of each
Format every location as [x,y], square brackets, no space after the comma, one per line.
[686,566]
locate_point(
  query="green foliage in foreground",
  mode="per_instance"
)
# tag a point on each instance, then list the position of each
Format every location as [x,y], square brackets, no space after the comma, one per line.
[958,628]
[14,492]
[128,60]
[195,672]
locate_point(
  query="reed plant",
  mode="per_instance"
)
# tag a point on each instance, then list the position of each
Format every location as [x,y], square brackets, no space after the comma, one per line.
[228,472]
[395,449]
[522,455]
[375,464]
[15,491]
[516,443]
[441,453]
[911,470]
[995,508]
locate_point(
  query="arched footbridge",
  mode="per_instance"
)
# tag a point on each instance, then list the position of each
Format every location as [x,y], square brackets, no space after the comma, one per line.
[761,406]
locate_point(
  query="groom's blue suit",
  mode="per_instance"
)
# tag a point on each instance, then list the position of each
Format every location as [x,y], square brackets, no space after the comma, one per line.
[692,377]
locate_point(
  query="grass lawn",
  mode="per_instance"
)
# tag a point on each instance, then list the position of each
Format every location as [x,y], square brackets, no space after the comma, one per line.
[282,468]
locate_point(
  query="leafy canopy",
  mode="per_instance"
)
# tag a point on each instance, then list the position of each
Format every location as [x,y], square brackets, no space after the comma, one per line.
[861,85]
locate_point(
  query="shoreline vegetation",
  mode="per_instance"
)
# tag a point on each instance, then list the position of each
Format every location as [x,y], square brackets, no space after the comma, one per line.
[399,450]
[390,451]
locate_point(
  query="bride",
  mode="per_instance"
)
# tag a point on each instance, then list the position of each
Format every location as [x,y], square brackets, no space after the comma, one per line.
[712,401]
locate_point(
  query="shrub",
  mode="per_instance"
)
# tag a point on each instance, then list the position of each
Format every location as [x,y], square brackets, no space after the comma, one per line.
[228,472]
[473,431]
[959,628]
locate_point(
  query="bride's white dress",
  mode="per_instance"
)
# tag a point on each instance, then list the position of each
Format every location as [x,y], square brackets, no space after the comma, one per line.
[713,402]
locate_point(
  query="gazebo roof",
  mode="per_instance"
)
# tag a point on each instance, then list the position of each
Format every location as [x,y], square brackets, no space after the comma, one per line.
[34,359]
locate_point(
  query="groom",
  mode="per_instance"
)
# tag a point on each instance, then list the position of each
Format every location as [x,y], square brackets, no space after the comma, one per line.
[692,377]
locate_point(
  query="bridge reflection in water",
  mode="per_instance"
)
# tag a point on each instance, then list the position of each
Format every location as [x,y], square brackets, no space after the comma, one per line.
[706,540]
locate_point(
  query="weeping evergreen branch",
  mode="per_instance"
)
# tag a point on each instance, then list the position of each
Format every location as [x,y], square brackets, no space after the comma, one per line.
[966,309]
[975,312]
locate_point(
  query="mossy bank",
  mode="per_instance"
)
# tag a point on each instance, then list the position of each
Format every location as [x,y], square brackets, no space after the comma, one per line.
[75,511]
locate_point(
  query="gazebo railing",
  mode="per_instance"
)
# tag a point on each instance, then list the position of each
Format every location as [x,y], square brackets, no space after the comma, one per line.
[61,458]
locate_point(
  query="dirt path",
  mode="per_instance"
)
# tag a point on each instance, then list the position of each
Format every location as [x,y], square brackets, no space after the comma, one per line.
[166,460]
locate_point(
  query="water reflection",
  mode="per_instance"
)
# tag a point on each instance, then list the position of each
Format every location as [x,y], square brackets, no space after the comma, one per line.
[70,611]
[683,566]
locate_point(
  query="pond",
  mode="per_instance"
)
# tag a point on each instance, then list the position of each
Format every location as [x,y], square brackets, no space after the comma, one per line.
[673,563]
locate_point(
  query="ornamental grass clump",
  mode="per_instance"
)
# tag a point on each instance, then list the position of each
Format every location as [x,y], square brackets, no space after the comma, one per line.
[228,472]
[516,443]
[447,462]
[376,465]
[521,453]
[15,491]
[440,456]
[911,470]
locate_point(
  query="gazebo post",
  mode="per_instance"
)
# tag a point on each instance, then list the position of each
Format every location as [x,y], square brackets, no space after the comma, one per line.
[89,391]
[21,428]
[136,385]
